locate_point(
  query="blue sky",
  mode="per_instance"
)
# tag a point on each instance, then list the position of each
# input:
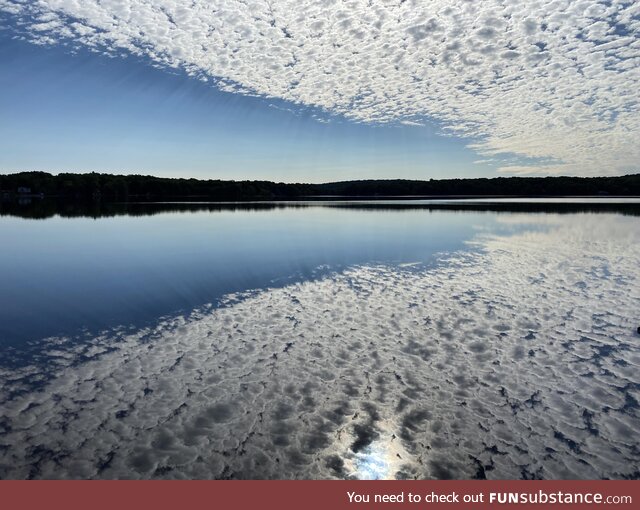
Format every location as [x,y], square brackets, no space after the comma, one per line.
[76,112]
[320,91]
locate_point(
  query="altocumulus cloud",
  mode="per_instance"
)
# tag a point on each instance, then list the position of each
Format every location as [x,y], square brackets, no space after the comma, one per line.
[553,82]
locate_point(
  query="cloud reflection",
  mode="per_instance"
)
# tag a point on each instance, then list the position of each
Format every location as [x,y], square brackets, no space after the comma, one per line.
[518,360]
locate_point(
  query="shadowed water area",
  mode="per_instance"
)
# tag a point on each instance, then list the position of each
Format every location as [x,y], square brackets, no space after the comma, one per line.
[395,339]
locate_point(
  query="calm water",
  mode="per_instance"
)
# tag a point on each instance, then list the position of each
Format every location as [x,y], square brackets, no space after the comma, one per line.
[405,339]
[62,274]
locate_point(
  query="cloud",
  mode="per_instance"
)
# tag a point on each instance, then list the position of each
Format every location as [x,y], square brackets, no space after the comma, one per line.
[514,360]
[545,80]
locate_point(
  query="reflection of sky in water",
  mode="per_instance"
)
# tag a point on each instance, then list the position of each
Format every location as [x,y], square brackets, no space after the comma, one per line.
[517,358]
[60,275]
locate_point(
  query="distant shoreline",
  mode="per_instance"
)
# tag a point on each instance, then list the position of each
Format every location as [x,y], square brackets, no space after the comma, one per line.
[144,199]
[48,208]
[93,187]
[458,197]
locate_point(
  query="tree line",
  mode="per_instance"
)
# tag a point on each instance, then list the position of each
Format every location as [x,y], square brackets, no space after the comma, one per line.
[48,208]
[109,187]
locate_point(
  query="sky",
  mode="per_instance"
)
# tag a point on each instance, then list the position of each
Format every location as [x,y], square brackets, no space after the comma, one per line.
[321,90]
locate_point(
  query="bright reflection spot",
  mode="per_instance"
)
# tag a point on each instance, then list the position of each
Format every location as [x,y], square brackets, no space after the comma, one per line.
[372,463]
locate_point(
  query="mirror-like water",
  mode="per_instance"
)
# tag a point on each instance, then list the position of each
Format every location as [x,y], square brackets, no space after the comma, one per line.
[393,340]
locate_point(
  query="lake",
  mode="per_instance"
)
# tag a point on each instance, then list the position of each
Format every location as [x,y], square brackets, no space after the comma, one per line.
[389,339]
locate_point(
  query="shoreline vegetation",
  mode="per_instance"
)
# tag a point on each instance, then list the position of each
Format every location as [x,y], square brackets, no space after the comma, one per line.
[91,187]
[48,208]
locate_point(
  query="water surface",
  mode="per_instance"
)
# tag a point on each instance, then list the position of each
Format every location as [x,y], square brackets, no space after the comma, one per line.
[334,340]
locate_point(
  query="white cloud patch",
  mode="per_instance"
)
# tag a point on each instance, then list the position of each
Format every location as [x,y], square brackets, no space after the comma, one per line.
[519,360]
[554,82]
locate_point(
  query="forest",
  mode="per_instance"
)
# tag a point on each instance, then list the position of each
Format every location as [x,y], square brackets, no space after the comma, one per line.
[122,188]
